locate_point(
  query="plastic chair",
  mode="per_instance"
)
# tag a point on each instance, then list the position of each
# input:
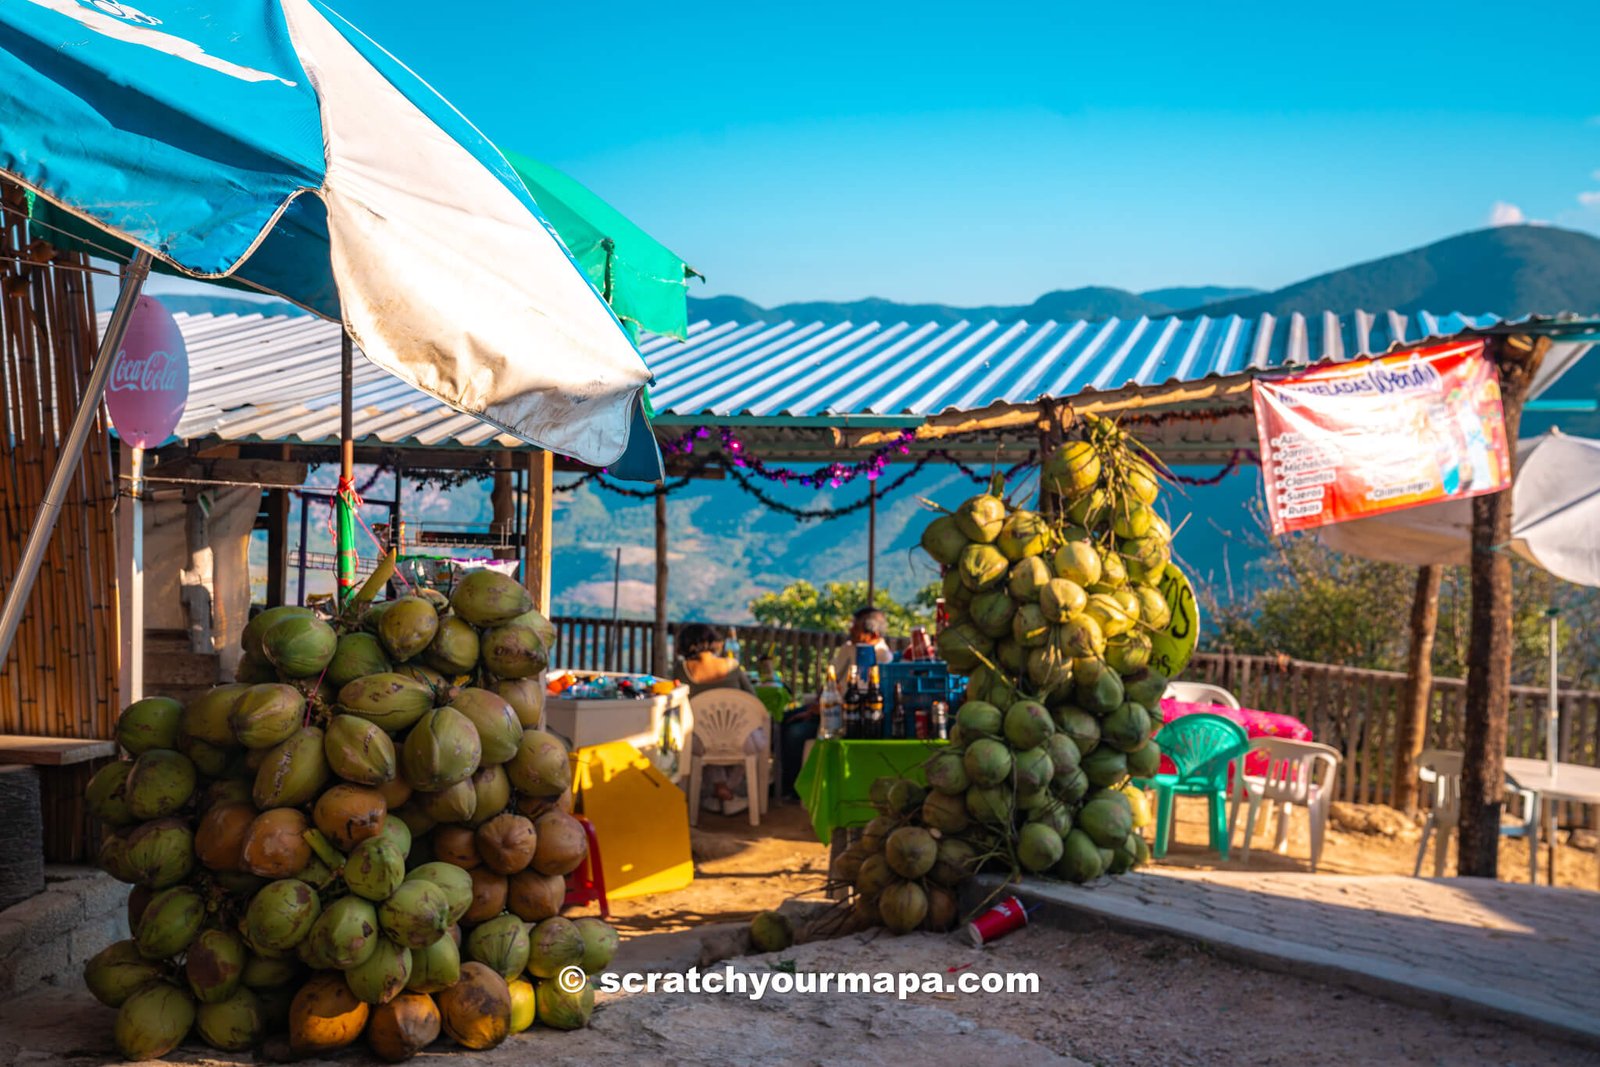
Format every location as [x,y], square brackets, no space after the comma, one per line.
[1442,770]
[1201,747]
[1201,693]
[587,884]
[724,719]
[1292,778]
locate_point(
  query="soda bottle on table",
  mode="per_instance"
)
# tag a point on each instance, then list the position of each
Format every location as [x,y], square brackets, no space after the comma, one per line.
[851,704]
[872,707]
[830,708]
[920,648]
[941,720]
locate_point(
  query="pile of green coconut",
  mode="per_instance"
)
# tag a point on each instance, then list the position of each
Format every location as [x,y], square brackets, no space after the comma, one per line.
[367,835]
[1053,612]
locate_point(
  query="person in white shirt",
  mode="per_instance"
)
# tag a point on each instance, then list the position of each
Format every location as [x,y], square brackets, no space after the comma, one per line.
[868,626]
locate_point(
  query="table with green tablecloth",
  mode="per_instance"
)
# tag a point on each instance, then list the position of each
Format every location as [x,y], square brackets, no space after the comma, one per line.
[836,782]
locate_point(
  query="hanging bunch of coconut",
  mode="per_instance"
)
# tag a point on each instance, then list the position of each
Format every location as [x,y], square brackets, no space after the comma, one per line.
[367,834]
[904,867]
[1052,615]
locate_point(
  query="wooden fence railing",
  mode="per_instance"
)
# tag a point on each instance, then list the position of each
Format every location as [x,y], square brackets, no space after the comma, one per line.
[1354,710]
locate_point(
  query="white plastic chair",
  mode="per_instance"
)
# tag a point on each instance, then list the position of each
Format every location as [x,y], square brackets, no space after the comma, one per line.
[724,719]
[1442,771]
[1201,693]
[1298,772]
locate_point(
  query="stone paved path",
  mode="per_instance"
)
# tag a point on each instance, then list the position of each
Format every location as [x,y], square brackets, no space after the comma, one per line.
[1527,953]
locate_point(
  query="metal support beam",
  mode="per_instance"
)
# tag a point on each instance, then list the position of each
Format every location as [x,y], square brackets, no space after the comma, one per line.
[536,558]
[71,454]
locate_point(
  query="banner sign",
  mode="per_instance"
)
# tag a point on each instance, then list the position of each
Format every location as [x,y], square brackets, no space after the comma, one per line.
[1377,435]
[149,384]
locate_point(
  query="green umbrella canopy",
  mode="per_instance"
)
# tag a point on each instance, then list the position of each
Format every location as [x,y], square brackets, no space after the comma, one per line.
[645,282]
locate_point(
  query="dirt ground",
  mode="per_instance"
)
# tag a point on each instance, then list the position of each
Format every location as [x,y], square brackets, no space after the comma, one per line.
[1105,998]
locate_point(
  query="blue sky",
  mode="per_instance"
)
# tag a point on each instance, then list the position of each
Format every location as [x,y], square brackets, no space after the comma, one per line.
[969,153]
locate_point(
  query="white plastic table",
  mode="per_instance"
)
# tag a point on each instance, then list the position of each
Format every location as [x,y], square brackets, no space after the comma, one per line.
[1572,782]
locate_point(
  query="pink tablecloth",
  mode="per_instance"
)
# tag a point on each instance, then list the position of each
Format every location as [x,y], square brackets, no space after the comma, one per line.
[1255,723]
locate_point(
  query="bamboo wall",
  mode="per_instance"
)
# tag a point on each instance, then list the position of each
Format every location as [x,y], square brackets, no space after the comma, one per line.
[61,677]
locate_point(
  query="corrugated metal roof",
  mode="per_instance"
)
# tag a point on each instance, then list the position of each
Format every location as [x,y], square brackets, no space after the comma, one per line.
[256,378]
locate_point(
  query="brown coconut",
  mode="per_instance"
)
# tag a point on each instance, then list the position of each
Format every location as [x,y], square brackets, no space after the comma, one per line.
[488,895]
[275,845]
[457,845]
[395,792]
[325,1015]
[349,814]
[561,846]
[219,839]
[532,896]
[403,1027]
[476,1011]
[507,843]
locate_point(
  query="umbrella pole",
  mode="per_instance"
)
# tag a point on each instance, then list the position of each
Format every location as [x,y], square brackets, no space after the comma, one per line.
[71,453]
[345,504]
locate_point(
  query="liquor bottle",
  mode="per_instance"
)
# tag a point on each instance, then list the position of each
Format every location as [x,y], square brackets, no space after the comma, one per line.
[851,709]
[941,616]
[831,708]
[897,714]
[941,720]
[872,707]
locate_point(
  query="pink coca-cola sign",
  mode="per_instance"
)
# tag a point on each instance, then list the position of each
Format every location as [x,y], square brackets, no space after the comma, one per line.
[150,380]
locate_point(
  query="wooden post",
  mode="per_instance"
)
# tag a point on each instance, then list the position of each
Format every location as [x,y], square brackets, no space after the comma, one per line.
[197,579]
[130,578]
[536,560]
[504,507]
[1413,724]
[278,542]
[872,541]
[660,665]
[1489,643]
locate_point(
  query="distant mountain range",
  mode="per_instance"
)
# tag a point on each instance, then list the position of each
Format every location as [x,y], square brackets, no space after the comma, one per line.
[1509,270]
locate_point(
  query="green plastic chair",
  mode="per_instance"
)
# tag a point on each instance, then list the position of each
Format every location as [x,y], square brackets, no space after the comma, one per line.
[1201,747]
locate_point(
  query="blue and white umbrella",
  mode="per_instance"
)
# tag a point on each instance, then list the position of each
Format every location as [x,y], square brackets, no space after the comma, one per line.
[272,144]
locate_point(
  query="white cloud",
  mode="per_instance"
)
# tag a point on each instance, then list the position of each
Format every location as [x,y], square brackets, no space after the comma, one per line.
[1590,199]
[1504,214]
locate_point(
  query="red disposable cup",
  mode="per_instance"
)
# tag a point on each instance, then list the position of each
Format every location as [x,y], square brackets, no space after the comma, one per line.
[997,922]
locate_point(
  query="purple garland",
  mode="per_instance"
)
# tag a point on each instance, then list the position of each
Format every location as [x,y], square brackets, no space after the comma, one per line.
[833,474]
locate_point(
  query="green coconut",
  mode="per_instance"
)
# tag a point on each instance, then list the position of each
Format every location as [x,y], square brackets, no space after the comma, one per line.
[1082,727]
[980,518]
[1127,728]
[1145,687]
[979,719]
[1107,818]
[1078,637]
[1080,858]
[1077,562]
[946,812]
[1145,761]
[1098,688]
[982,567]
[1105,766]
[1023,534]
[1027,723]
[1064,754]
[964,646]
[1131,518]
[910,851]
[1062,598]
[1011,657]
[1144,558]
[1128,652]
[771,931]
[1048,669]
[1039,847]
[991,686]
[1154,610]
[1071,470]
[1112,615]
[1027,577]
[946,773]
[300,646]
[989,804]
[1033,771]
[943,540]
[1112,572]
[991,612]
[988,762]
[1030,627]
[1091,511]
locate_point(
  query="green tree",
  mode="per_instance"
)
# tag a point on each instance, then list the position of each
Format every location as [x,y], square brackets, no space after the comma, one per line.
[802,606]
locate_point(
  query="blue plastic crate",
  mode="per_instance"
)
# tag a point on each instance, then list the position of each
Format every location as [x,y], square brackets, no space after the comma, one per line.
[921,681]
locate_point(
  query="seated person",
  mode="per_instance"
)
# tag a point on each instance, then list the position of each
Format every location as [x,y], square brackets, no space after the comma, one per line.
[867,627]
[702,666]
